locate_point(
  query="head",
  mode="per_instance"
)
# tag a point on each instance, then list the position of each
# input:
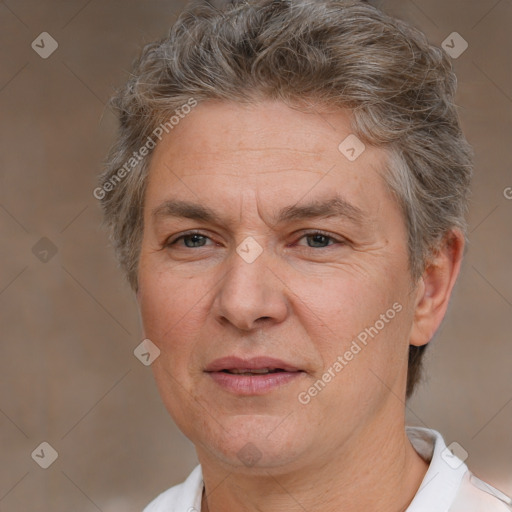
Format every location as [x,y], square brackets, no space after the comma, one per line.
[245,113]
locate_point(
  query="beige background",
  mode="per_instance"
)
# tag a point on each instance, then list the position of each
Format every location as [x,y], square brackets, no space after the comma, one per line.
[69,326]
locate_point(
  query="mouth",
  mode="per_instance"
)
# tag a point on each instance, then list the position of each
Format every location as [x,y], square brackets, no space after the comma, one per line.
[254,371]
[255,376]
[253,365]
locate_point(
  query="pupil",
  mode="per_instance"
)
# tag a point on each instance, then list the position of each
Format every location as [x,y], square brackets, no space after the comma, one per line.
[195,240]
[317,237]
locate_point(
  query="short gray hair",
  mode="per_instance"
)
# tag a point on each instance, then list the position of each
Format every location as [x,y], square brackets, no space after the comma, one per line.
[339,54]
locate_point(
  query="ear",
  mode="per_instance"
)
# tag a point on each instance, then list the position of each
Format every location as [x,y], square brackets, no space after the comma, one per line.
[435,287]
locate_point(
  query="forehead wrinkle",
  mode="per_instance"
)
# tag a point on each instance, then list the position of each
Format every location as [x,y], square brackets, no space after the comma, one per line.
[194,152]
[257,150]
[334,206]
[204,172]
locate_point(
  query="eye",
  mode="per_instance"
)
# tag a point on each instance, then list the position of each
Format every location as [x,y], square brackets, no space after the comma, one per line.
[191,240]
[319,239]
[195,239]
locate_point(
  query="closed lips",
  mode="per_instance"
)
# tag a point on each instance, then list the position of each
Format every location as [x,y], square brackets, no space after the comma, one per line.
[254,366]
[254,371]
[252,376]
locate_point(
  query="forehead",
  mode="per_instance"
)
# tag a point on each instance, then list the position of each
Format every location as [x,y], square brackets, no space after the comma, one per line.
[221,128]
[221,150]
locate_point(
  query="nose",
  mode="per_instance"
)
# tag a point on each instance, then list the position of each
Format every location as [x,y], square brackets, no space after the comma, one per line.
[251,295]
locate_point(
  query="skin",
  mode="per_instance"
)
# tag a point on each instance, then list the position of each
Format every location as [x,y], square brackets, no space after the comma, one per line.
[303,300]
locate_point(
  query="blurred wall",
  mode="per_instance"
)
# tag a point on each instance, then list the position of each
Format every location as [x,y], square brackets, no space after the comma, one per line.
[69,324]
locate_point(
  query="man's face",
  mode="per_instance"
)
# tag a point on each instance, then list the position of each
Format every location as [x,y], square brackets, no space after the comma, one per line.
[256,281]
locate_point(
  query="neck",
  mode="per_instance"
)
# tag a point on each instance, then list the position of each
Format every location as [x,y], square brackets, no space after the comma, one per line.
[380,471]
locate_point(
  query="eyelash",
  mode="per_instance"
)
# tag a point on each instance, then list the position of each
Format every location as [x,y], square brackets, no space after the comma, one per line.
[170,243]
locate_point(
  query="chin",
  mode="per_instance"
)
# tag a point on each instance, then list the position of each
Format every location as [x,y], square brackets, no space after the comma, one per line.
[252,444]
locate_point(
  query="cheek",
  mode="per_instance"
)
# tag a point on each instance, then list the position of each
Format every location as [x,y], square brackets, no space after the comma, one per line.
[346,301]
[363,320]
[167,307]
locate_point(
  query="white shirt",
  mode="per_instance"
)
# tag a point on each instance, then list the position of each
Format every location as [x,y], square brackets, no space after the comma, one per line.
[448,485]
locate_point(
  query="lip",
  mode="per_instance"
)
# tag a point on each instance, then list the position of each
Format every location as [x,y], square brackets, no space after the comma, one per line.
[254,363]
[251,384]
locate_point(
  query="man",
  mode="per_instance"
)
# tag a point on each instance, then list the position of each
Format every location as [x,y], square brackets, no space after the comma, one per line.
[287,197]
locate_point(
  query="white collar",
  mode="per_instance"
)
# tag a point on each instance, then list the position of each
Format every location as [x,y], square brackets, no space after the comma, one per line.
[444,475]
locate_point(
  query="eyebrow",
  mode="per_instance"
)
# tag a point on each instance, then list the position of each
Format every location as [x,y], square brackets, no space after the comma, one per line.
[333,207]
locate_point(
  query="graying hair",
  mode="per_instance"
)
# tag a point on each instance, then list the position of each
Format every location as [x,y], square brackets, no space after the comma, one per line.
[338,54]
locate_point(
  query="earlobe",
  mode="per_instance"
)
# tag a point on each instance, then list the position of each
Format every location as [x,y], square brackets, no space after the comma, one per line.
[435,287]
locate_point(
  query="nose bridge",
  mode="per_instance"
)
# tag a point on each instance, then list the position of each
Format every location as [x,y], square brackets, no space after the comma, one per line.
[250,291]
